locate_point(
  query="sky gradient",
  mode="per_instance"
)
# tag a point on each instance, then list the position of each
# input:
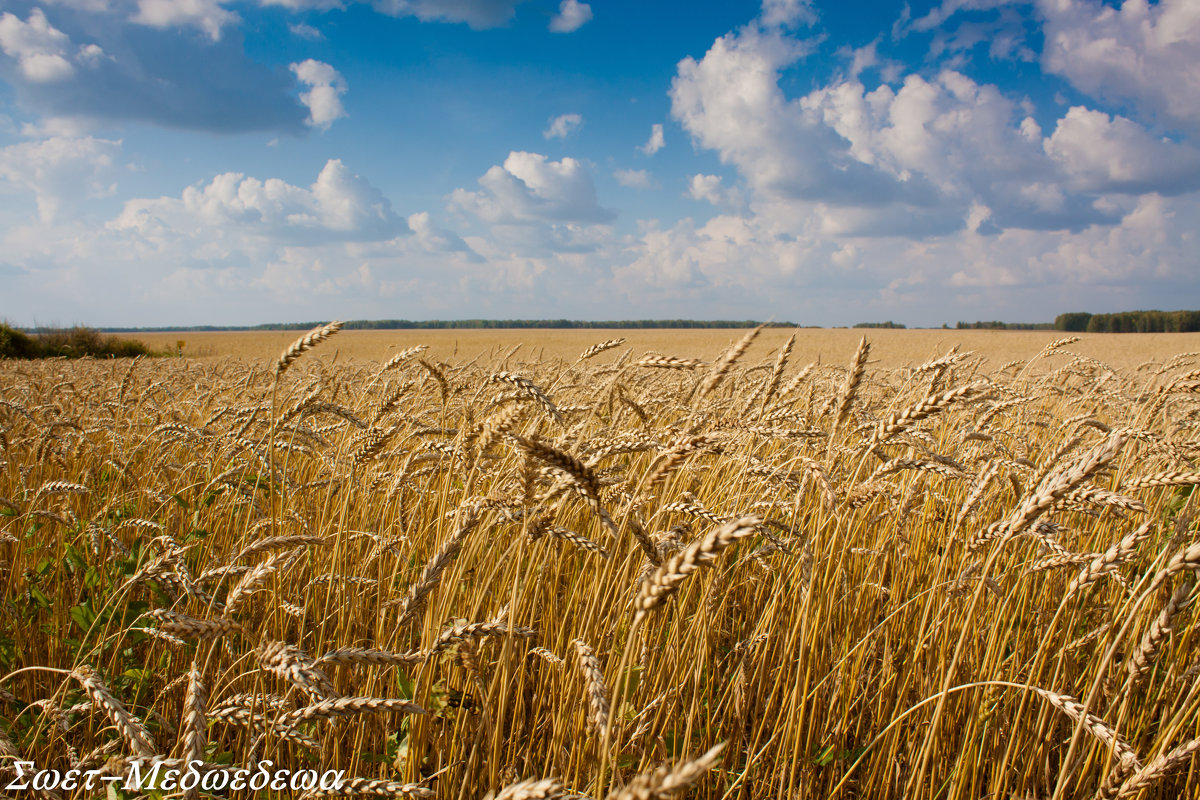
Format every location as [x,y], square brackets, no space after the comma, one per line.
[188,162]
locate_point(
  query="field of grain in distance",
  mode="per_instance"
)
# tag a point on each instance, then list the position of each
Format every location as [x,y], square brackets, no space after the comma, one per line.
[640,569]
[889,348]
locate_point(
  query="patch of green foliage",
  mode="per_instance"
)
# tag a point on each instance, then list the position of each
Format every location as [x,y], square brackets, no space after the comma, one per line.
[76,342]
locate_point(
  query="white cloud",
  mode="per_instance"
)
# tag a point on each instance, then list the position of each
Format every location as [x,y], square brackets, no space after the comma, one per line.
[572,15]
[91,55]
[938,15]
[529,188]
[850,161]
[710,189]
[1144,54]
[633,178]
[563,126]
[40,48]
[207,15]
[655,142]
[478,14]
[93,6]
[1101,154]
[338,206]
[324,96]
[435,239]
[60,127]
[883,197]
[305,5]
[788,13]
[863,58]
[59,170]
[730,102]
[305,31]
[768,267]
[705,187]
[125,72]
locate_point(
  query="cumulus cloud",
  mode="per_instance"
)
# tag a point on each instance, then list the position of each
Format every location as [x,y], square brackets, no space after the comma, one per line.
[1102,154]
[478,14]
[530,188]
[306,5]
[655,142]
[338,205]
[848,160]
[58,170]
[885,195]
[710,189]
[938,15]
[861,58]
[730,102]
[572,15]
[237,248]
[563,126]
[90,54]
[1018,274]
[633,178]
[207,15]
[1144,54]
[788,13]
[117,72]
[1004,33]
[435,239]
[39,48]
[705,187]
[306,31]
[84,5]
[324,96]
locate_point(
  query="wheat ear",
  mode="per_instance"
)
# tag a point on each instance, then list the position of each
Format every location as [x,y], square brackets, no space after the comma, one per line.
[666,782]
[305,343]
[533,789]
[195,728]
[725,363]
[132,731]
[598,700]
[667,579]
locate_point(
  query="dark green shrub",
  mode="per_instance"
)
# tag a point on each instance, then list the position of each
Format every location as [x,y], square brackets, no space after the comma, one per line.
[74,342]
[16,344]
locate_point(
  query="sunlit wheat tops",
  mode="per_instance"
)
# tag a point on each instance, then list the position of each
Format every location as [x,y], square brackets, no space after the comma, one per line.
[700,573]
[305,343]
[666,579]
[599,348]
[721,368]
[854,375]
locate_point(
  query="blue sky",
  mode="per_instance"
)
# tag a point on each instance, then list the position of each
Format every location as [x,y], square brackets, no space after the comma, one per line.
[209,162]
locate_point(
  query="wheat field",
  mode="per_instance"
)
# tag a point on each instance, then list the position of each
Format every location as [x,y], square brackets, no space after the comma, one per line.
[889,348]
[732,571]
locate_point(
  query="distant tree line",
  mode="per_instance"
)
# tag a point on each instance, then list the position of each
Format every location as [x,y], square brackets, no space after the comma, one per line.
[888,324]
[1130,322]
[1006,326]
